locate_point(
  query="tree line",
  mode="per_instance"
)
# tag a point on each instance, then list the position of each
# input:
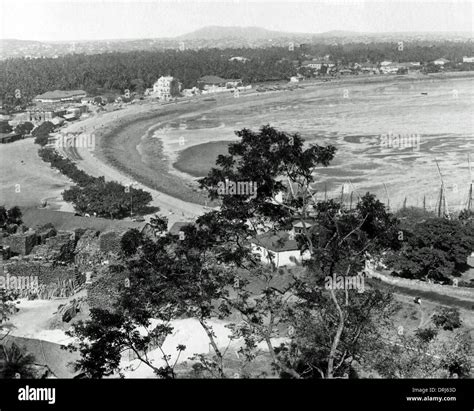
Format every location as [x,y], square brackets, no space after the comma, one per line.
[94,195]
[22,79]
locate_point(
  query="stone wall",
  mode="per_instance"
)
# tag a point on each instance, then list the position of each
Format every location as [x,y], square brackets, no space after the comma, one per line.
[45,233]
[46,280]
[52,246]
[110,241]
[88,256]
[464,293]
[21,244]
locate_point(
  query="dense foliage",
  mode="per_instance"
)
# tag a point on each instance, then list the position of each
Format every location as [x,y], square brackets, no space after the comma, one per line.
[136,70]
[15,362]
[5,127]
[140,69]
[95,195]
[447,318]
[210,271]
[10,218]
[13,359]
[434,248]
[42,133]
[24,128]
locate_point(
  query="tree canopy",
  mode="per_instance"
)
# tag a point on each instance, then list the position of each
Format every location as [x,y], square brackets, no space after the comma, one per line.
[211,270]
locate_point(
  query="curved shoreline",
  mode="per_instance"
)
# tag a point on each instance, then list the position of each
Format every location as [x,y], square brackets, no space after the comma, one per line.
[96,164]
[118,133]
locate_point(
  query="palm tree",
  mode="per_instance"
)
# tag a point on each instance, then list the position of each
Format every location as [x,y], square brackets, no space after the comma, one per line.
[15,362]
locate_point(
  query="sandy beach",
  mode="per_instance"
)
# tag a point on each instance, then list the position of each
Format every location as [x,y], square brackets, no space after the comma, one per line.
[142,142]
[93,163]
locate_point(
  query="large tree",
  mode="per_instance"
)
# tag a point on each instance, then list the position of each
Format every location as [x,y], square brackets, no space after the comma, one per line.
[24,128]
[435,248]
[310,329]
[160,281]
[338,240]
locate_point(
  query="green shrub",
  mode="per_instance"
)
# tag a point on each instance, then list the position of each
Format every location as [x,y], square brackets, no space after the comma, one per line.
[447,318]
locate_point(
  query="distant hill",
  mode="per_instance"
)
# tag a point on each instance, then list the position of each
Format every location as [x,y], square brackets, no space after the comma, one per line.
[213,37]
[247,33]
[16,42]
[253,33]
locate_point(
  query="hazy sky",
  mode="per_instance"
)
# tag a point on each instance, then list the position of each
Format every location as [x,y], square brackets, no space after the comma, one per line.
[106,19]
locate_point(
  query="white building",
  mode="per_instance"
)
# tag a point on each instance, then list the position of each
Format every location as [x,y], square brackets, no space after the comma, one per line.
[468,59]
[233,83]
[392,68]
[295,79]
[189,92]
[166,87]
[239,58]
[59,96]
[279,247]
[441,62]
[317,64]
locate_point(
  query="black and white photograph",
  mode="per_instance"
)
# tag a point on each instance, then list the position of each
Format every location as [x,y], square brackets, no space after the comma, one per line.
[273,194]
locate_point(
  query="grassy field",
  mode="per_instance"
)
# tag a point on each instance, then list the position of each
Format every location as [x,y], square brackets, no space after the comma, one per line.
[26,180]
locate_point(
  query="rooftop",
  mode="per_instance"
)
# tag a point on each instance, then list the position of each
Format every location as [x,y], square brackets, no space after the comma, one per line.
[177,227]
[212,80]
[276,241]
[61,94]
[307,223]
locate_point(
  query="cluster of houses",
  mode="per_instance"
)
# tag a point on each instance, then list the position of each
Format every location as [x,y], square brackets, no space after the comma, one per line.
[326,66]
[57,107]
[60,106]
[167,87]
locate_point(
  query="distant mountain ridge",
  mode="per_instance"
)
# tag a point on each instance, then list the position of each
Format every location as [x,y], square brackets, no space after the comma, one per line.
[248,33]
[212,37]
[259,33]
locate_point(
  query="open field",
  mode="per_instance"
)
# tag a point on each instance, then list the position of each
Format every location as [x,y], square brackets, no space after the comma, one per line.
[25,180]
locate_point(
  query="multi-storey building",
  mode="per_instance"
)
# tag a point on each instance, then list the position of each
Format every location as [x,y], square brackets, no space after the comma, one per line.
[166,87]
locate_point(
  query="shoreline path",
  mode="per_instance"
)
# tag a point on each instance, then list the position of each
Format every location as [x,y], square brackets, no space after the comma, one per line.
[172,208]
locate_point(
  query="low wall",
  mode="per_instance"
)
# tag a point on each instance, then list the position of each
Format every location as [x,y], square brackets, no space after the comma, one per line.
[463,293]
[41,280]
